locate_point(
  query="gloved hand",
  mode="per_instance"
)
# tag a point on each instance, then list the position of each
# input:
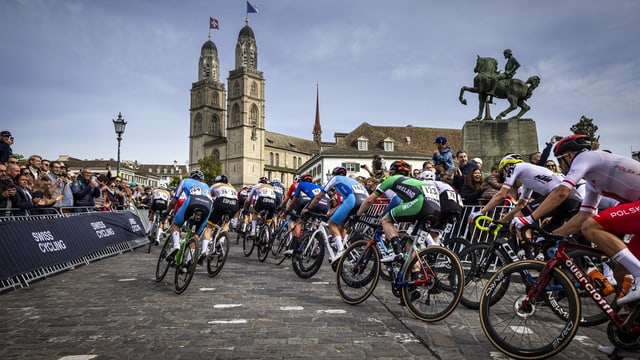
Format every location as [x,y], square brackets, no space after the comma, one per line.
[493,226]
[522,221]
[474,215]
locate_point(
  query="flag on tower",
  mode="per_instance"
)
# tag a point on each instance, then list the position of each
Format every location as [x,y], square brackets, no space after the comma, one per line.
[251,8]
[213,23]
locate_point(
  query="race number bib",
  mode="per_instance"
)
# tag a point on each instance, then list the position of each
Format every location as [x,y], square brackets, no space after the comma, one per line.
[431,193]
[195,190]
[359,189]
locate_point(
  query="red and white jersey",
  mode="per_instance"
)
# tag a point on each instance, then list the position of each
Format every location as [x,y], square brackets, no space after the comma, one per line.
[223,190]
[533,178]
[610,175]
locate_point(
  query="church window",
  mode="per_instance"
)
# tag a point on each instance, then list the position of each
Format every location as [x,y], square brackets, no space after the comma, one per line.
[271,158]
[216,155]
[254,89]
[214,99]
[215,130]
[236,89]
[253,115]
[197,125]
[277,159]
[236,115]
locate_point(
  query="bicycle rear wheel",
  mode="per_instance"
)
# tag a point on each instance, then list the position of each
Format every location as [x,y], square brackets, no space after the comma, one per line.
[479,261]
[218,252]
[186,269]
[263,243]
[162,266]
[438,290]
[152,235]
[248,242]
[456,244]
[534,331]
[307,262]
[358,271]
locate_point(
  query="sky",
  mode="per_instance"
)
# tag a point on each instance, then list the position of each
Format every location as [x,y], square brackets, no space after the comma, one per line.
[68,67]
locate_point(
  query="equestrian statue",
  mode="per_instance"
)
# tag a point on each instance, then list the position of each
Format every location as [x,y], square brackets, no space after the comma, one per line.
[490,83]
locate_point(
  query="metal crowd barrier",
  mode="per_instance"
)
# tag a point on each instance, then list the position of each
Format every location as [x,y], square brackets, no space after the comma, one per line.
[23,280]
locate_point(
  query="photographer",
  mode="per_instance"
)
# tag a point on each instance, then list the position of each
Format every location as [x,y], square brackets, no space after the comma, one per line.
[85,189]
[376,170]
[61,185]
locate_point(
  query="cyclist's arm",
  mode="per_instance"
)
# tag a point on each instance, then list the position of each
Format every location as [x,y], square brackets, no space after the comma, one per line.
[366,204]
[519,205]
[555,198]
[496,200]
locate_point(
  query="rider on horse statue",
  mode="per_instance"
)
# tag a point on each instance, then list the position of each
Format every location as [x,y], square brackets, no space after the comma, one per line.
[509,71]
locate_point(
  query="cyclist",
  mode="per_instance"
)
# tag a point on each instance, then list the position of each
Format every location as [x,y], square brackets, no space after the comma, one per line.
[290,191]
[241,216]
[158,203]
[450,205]
[279,190]
[352,193]
[419,200]
[262,197]
[536,179]
[225,200]
[301,201]
[197,196]
[606,174]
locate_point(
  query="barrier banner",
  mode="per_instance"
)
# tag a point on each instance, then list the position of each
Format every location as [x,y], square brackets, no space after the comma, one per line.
[29,245]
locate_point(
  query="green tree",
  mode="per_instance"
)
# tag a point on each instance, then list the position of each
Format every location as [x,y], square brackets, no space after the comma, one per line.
[210,167]
[175,180]
[585,127]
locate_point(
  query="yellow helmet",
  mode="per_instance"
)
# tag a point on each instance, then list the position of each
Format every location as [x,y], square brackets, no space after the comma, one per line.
[510,159]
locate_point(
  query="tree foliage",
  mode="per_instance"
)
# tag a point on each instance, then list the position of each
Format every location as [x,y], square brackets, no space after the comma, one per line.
[210,167]
[585,127]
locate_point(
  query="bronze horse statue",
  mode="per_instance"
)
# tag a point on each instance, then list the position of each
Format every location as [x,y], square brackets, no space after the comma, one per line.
[514,90]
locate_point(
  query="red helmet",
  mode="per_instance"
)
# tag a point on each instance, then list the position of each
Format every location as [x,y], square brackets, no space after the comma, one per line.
[577,143]
[400,166]
[307,178]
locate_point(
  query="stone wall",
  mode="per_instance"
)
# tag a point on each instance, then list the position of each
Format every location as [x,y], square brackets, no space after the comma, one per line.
[491,139]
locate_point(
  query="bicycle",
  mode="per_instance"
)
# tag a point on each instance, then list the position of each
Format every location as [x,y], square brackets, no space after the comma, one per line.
[184,259]
[282,239]
[251,241]
[531,310]
[429,281]
[218,248]
[157,228]
[314,244]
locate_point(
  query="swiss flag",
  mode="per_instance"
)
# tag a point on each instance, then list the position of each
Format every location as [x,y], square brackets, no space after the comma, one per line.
[213,23]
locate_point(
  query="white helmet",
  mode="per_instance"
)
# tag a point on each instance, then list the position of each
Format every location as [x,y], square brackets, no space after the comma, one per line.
[427,175]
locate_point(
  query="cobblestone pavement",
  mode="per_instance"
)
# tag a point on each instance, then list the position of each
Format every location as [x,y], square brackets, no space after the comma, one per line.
[114,309]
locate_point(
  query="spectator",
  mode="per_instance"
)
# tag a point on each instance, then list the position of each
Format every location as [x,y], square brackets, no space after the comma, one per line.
[541,159]
[44,168]
[461,172]
[6,140]
[442,173]
[22,199]
[35,163]
[59,179]
[7,188]
[376,170]
[478,162]
[551,165]
[427,165]
[85,189]
[12,159]
[13,171]
[416,173]
[492,183]
[110,198]
[471,189]
[371,184]
[443,153]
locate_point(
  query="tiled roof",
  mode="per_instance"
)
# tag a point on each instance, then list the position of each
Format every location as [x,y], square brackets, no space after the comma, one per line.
[290,143]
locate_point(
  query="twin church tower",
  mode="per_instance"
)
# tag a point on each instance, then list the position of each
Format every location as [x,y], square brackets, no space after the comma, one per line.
[231,127]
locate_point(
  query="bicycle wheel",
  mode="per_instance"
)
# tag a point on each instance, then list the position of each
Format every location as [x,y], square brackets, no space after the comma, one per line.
[358,271]
[186,269]
[456,244]
[479,261]
[162,266]
[281,242]
[437,287]
[218,252]
[152,235]
[248,242]
[307,262]
[263,244]
[534,331]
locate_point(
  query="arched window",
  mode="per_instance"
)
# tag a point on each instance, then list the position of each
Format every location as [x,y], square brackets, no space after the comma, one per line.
[235,115]
[254,89]
[216,154]
[215,130]
[271,158]
[214,99]
[277,159]
[197,125]
[236,89]
[253,115]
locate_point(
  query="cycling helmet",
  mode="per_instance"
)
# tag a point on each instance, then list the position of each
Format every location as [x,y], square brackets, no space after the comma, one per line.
[263,179]
[162,186]
[222,178]
[307,178]
[196,174]
[339,170]
[576,143]
[275,180]
[427,175]
[400,166]
[510,159]
[296,178]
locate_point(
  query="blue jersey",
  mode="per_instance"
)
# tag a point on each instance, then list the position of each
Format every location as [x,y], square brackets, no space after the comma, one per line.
[278,188]
[192,187]
[346,186]
[308,189]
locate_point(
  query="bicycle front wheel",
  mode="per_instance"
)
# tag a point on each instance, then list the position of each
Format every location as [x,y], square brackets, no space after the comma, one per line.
[358,271]
[186,269]
[162,266]
[152,235]
[436,282]
[263,244]
[535,330]
[307,262]
[248,243]
[218,252]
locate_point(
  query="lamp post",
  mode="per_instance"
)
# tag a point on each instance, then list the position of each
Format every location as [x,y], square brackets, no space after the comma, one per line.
[119,125]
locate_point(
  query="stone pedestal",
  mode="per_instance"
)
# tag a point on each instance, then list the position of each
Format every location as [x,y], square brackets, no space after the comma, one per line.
[491,139]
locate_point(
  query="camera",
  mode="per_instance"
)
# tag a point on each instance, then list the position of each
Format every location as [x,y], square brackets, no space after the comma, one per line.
[363,165]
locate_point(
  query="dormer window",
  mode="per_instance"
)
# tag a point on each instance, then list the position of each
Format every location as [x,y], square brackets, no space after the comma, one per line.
[363,143]
[388,144]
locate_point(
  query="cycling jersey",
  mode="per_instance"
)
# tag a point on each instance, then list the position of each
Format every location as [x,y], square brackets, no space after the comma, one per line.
[159,200]
[352,192]
[533,178]
[197,196]
[419,200]
[262,197]
[450,205]
[225,199]
[306,191]
[278,188]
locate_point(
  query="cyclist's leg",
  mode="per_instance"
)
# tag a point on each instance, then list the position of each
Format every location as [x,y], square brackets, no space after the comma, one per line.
[347,207]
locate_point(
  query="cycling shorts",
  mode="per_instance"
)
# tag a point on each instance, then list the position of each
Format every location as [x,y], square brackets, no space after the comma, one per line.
[623,219]
[222,205]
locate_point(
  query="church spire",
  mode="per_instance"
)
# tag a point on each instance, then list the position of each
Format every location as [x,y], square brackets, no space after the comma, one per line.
[317,131]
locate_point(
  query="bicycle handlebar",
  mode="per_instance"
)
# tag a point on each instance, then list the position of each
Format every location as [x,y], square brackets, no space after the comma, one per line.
[480,220]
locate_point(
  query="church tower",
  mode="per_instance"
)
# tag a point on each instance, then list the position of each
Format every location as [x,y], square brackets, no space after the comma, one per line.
[246,118]
[207,110]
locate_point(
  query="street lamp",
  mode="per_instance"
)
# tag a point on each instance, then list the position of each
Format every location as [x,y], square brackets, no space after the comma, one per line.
[119,125]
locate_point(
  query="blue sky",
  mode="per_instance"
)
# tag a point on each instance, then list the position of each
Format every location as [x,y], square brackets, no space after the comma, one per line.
[68,67]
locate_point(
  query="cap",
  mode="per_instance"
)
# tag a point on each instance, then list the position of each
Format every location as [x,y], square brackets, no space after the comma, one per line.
[477,160]
[5,133]
[440,140]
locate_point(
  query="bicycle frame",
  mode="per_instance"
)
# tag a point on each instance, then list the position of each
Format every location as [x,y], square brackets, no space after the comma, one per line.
[561,260]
